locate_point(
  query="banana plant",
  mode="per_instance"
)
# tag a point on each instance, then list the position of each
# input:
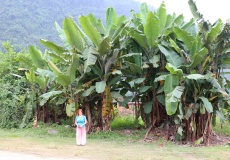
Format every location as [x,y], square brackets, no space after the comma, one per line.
[150,32]
[101,57]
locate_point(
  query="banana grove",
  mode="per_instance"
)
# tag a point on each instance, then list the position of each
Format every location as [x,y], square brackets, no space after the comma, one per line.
[171,69]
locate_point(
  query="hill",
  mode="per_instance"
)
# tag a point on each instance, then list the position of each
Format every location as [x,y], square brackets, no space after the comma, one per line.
[24,22]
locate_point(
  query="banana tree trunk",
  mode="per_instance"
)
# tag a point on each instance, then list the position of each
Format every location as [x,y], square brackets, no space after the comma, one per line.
[89,117]
[106,109]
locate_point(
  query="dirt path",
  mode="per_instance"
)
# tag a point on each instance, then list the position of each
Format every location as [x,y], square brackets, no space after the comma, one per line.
[22,156]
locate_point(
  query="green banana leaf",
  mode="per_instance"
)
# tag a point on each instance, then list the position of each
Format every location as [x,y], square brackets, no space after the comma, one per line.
[62,36]
[139,37]
[71,71]
[88,91]
[144,12]
[90,30]
[173,70]
[54,68]
[73,35]
[70,109]
[36,57]
[162,15]
[100,86]
[152,28]
[214,32]
[110,20]
[104,47]
[171,81]
[111,60]
[148,106]
[46,73]
[144,89]
[114,80]
[117,96]
[207,104]
[57,49]
[48,95]
[97,23]
[195,76]
[199,57]
[184,36]
[171,56]
[63,80]
[90,58]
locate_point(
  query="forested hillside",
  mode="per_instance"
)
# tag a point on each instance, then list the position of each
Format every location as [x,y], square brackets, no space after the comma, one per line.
[24,22]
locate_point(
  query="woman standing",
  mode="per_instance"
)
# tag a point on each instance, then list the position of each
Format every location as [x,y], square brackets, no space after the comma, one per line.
[80,121]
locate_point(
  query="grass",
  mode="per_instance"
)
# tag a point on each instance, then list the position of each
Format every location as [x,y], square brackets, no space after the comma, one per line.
[121,143]
[222,128]
[126,122]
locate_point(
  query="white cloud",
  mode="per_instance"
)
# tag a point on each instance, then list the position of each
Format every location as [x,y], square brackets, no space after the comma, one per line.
[211,9]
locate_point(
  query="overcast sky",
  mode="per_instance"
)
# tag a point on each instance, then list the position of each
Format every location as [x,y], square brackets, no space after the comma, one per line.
[211,9]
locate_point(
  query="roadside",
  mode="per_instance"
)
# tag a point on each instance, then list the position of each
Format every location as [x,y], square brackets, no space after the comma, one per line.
[7,155]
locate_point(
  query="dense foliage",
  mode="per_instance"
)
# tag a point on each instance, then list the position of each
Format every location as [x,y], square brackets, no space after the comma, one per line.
[27,21]
[13,89]
[170,69]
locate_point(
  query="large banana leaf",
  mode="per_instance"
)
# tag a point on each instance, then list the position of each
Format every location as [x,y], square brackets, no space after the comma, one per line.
[105,46]
[199,57]
[63,80]
[111,60]
[207,104]
[152,28]
[144,12]
[88,91]
[90,30]
[134,68]
[110,20]
[195,76]
[36,57]
[139,38]
[162,15]
[48,95]
[100,86]
[196,14]
[171,56]
[184,36]
[97,23]
[175,95]
[70,109]
[46,73]
[62,35]
[71,72]
[173,70]
[171,81]
[114,80]
[117,96]
[57,49]
[54,68]
[214,32]
[171,107]
[90,58]
[73,35]
[148,107]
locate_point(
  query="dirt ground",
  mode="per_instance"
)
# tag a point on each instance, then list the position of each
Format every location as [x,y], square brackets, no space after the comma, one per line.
[8,155]
[60,149]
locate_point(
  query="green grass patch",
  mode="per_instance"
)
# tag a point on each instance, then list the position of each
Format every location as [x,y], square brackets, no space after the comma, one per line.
[126,122]
[222,128]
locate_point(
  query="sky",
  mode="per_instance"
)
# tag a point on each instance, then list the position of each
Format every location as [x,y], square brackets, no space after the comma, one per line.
[212,10]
